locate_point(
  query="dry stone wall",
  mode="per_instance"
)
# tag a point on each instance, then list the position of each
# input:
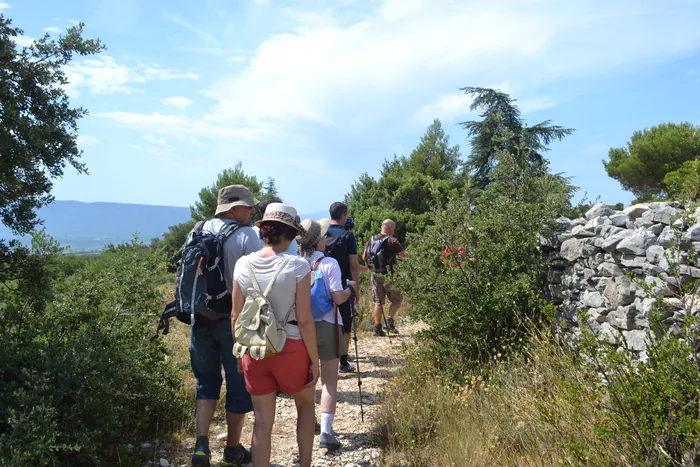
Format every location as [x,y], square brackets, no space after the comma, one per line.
[592,259]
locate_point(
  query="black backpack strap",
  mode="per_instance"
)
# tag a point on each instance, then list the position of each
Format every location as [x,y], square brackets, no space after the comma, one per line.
[226,231]
[164,323]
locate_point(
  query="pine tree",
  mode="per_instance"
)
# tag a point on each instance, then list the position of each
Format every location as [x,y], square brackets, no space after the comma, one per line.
[270,187]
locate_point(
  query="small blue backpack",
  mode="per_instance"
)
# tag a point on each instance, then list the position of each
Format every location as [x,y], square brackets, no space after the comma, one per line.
[321,302]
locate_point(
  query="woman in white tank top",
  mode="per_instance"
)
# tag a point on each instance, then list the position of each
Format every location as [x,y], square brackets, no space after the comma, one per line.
[294,370]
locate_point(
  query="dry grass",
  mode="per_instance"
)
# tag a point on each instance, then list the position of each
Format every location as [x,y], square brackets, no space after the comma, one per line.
[540,413]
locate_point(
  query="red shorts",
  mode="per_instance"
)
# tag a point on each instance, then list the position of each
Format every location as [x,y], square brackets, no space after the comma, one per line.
[288,371]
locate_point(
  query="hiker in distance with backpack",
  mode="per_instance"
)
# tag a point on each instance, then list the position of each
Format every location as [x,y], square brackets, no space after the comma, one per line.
[275,331]
[211,336]
[342,246]
[327,292]
[380,255]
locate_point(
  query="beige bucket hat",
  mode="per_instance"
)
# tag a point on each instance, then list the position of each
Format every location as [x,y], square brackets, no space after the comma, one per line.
[234,195]
[314,231]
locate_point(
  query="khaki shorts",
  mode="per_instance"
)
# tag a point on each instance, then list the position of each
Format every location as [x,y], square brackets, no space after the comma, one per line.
[327,334]
[382,289]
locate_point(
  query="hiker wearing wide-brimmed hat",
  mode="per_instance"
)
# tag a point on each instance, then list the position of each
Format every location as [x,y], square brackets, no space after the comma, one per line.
[294,370]
[327,292]
[211,336]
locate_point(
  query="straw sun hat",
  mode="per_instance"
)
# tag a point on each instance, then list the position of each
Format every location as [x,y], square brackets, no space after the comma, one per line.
[315,231]
[284,213]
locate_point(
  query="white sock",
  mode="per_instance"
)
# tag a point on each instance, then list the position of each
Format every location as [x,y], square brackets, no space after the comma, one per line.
[327,422]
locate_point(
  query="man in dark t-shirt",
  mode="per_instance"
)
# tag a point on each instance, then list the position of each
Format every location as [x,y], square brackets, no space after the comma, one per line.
[349,270]
[381,284]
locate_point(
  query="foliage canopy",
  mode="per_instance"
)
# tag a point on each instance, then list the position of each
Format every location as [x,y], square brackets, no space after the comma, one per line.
[651,156]
[408,187]
[38,127]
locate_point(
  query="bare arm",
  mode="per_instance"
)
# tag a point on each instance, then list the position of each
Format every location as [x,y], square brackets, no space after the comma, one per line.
[306,324]
[341,296]
[237,300]
[402,254]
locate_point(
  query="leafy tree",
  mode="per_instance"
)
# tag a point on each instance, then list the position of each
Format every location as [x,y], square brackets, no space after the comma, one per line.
[651,154]
[499,112]
[174,238]
[684,183]
[271,187]
[38,127]
[206,206]
[408,187]
[433,156]
[476,274]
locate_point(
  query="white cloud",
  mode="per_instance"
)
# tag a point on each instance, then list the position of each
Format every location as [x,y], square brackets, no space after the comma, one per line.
[156,140]
[53,30]
[413,51]
[398,149]
[4,6]
[87,140]
[104,75]
[184,127]
[179,102]
[393,10]
[535,104]
[200,33]
[154,150]
[23,41]
[448,107]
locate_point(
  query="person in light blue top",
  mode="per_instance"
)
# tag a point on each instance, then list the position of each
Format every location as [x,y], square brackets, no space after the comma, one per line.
[260,208]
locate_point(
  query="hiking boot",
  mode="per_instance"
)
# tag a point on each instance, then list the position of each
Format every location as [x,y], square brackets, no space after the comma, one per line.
[378,332]
[201,455]
[347,368]
[390,326]
[329,441]
[236,457]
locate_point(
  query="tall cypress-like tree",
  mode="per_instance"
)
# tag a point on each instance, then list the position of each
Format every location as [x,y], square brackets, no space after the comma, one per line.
[503,130]
[270,187]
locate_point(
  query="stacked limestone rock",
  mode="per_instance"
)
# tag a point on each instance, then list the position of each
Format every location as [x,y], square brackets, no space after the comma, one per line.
[591,259]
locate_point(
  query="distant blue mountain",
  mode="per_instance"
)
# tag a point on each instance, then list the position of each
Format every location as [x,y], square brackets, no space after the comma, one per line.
[90,226]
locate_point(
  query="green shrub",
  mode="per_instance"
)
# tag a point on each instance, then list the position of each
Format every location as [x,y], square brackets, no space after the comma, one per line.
[81,374]
[478,302]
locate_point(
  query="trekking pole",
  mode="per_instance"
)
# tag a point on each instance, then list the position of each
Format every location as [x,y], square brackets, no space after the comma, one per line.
[353,316]
[386,325]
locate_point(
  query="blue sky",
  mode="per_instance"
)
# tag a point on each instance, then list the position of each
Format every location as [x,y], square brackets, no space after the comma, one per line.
[315,93]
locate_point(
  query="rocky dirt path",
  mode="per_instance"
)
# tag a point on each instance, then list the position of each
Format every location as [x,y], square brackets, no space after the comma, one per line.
[378,360]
